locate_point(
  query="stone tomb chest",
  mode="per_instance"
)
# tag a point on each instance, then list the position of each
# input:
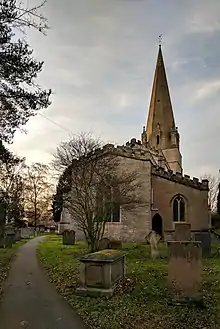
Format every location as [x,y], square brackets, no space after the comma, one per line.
[100,272]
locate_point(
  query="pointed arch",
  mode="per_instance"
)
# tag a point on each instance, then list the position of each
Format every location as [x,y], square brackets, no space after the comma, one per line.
[179,208]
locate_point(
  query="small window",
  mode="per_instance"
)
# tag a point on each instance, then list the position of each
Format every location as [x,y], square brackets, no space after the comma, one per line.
[158,139]
[178,209]
[115,213]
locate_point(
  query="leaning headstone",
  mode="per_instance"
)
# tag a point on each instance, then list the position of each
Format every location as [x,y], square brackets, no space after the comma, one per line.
[100,272]
[185,264]
[104,244]
[153,238]
[68,237]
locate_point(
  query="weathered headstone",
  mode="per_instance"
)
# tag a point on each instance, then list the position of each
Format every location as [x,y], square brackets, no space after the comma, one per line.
[9,239]
[205,238]
[25,233]
[185,263]
[18,235]
[100,273]
[68,237]
[104,244]
[115,244]
[153,238]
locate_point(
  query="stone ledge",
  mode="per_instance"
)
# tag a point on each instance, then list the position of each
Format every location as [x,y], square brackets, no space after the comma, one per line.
[95,292]
[103,256]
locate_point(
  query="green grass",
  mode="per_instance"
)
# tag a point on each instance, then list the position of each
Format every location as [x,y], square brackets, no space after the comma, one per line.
[6,256]
[145,302]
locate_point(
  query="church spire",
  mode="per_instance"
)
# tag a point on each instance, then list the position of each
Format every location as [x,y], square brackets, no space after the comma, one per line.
[160,122]
[161,131]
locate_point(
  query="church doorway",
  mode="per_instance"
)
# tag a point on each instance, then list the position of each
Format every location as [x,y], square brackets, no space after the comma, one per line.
[157,224]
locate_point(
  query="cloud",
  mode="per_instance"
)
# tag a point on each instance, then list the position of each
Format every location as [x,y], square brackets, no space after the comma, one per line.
[99,60]
[207,89]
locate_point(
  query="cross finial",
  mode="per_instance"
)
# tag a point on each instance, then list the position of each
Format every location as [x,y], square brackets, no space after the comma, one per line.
[160,39]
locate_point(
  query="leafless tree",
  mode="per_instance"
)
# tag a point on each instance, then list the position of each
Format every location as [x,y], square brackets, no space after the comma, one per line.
[37,192]
[97,187]
[213,190]
[73,149]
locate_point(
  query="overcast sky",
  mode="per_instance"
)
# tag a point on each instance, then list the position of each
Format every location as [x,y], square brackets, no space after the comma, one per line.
[100,58]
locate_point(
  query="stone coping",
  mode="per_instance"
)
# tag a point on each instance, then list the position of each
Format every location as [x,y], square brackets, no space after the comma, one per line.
[103,256]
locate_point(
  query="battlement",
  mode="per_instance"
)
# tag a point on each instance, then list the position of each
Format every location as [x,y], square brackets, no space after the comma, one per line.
[179,178]
[133,149]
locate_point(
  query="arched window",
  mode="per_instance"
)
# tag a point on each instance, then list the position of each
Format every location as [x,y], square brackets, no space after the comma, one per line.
[178,209]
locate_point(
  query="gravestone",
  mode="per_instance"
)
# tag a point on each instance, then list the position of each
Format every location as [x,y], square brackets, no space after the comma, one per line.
[25,233]
[18,235]
[100,272]
[9,239]
[185,264]
[115,244]
[205,238]
[104,244]
[153,238]
[68,237]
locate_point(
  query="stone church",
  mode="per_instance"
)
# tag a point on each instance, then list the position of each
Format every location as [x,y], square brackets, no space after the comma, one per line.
[169,195]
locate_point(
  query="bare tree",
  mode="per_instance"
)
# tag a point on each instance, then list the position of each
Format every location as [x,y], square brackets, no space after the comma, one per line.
[213,190]
[37,192]
[72,149]
[97,186]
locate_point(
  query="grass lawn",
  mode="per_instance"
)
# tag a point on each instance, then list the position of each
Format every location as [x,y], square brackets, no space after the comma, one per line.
[6,256]
[145,304]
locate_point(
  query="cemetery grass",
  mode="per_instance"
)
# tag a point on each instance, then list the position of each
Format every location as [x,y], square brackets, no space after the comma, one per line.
[142,300]
[6,256]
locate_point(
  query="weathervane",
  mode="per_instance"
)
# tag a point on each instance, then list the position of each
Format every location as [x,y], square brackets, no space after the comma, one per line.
[160,39]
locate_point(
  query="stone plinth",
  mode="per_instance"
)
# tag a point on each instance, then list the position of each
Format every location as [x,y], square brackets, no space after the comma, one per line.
[185,268]
[100,273]
[182,231]
[68,238]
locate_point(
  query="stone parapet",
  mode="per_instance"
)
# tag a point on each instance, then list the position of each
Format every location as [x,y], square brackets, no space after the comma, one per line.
[181,179]
[133,149]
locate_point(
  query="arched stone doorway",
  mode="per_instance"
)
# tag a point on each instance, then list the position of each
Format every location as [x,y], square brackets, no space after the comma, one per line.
[157,224]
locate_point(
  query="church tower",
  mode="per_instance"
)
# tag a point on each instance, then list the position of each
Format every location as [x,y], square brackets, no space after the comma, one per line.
[161,131]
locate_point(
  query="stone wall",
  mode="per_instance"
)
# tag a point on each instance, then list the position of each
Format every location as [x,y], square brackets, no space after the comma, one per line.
[196,200]
[135,223]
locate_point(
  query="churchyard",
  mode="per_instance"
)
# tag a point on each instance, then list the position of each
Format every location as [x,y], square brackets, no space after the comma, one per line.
[142,299]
